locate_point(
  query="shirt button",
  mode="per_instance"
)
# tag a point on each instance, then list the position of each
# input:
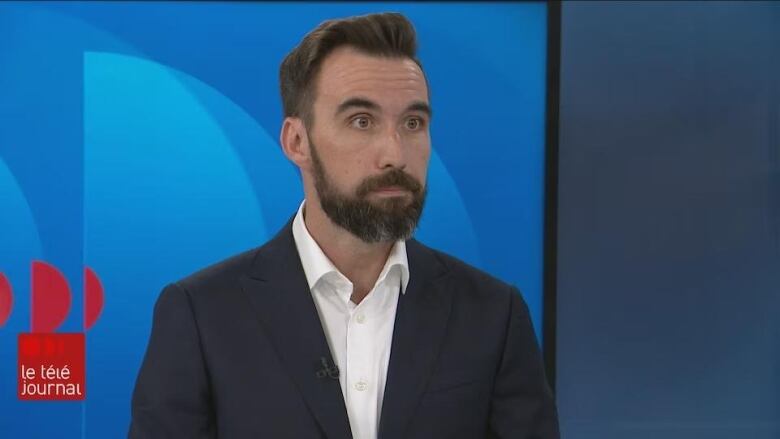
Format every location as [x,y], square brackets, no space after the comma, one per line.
[361,386]
[361,318]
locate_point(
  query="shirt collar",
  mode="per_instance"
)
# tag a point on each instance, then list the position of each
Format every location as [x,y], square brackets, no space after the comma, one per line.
[316,265]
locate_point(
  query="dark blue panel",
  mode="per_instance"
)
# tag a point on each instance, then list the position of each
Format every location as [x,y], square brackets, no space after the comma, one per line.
[669,221]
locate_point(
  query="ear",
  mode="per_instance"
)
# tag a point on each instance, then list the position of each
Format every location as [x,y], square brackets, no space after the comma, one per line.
[295,142]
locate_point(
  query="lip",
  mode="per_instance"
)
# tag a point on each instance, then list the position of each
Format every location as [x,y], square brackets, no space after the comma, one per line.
[391,191]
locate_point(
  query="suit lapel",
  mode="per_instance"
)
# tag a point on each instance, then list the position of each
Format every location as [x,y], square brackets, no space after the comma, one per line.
[420,326]
[278,291]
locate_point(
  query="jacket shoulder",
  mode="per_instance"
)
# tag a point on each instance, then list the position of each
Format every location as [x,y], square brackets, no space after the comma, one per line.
[219,275]
[468,277]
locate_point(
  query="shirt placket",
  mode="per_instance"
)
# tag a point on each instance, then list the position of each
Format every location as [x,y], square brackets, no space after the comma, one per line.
[361,379]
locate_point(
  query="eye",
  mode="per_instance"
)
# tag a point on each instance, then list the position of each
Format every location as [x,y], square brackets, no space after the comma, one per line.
[361,122]
[414,123]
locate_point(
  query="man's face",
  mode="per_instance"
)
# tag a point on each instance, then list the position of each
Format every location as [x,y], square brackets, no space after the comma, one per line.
[370,143]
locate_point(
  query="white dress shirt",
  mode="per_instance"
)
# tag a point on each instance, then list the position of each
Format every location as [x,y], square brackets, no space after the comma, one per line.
[359,336]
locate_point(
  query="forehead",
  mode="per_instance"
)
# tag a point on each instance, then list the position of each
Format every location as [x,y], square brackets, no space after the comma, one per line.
[346,73]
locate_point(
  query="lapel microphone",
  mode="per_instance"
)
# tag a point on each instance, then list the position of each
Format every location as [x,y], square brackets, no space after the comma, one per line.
[331,372]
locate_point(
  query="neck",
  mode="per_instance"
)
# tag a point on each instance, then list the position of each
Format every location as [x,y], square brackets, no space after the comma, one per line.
[359,261]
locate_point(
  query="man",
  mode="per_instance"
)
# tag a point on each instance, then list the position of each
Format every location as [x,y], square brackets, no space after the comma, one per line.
[342,325]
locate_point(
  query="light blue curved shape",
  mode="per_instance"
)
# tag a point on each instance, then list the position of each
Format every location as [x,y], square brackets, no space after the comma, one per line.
[275,180]
[445,224]
[18,232]
[161,177]
[19,245]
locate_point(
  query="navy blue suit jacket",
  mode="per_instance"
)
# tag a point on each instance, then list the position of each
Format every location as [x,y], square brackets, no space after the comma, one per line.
[235,349]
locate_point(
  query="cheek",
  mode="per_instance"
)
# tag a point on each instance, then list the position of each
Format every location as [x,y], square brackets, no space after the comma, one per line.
[420,160]
[342,158]
[347,170]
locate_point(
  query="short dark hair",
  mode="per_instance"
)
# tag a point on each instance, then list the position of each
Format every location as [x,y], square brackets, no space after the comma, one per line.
[387,34]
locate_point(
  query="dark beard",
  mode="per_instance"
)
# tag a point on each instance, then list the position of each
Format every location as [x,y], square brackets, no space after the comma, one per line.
[386,220]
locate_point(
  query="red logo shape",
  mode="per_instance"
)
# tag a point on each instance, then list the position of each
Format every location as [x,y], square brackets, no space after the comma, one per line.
[50,297]
[93,298]
[6,299]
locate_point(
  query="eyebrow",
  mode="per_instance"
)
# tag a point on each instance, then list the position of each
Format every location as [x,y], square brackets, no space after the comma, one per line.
[357,102]
[368,104]
[422,107]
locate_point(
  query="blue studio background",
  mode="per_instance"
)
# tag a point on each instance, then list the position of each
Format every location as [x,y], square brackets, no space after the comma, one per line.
[140,139]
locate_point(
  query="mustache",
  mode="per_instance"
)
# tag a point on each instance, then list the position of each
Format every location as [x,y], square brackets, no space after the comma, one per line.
[396,177]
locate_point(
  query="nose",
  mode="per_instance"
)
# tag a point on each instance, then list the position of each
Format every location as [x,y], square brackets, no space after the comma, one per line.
[391,150]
